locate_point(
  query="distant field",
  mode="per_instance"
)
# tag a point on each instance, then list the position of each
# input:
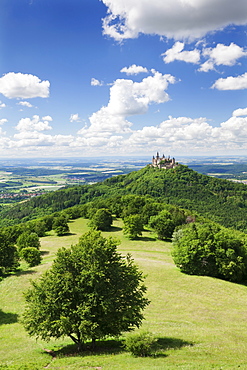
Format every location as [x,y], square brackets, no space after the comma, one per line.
[201,322]
[22,179]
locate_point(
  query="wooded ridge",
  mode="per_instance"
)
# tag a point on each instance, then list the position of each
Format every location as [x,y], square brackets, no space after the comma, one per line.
[219,200]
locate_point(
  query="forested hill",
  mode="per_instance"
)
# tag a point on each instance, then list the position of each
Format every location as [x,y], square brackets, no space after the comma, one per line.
[219,200]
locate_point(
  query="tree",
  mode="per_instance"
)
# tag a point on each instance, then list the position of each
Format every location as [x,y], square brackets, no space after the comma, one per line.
[207,249]
[8,255]
[162,224]
[31,255]
[28,239]
[101,219]
[90,292]
[60,225]
[133,226]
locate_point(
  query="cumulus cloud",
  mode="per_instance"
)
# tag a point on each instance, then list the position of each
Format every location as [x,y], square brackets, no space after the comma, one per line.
[39,139]
[240,112]
[177,53]
[95,82]
[34,124]
[222,55]
[3,120]
[25,104]
[186,134]
[2,105]
[24,86]
[178,19]
[128,98]
[74,118]
[231,83]
[134,70]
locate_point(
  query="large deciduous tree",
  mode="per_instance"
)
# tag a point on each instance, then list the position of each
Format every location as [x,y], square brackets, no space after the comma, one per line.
[208,249]
[162,224]
[90,292]
[133,226]
[101,219]
[8,255]
[27,240]
[60,225]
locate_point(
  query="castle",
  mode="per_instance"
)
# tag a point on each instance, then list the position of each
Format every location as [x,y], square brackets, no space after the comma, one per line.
[163,162]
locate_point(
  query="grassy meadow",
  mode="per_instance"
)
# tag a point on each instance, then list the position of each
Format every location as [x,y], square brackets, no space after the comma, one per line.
[200,322]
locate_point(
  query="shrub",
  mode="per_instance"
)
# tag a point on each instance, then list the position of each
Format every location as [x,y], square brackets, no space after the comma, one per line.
[141,344]
[31,255]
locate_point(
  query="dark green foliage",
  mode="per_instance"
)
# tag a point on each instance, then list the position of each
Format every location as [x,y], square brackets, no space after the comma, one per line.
[101,219]
[90,292]
[141,344]
[133,226]
[162,224]
[132,205]
[28,239]
[31,255]
[48,221]
[9,259]
[151,208]
[207,249]
[60,225]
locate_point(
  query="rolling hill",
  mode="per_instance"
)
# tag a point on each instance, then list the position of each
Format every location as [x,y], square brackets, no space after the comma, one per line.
[219,200]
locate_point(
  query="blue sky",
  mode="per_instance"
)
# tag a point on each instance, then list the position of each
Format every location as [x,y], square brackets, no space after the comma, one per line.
[117,77]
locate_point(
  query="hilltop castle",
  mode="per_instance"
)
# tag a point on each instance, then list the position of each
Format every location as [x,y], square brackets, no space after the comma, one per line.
[163,162]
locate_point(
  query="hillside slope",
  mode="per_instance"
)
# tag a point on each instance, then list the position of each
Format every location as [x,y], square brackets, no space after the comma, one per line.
[219,200]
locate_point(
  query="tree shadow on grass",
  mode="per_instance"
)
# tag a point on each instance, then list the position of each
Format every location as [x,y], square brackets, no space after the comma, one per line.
[24,272]
[44,253]
[115,229]
[164,344]
[146,239]
[8,317]
[111,347]
[114,347]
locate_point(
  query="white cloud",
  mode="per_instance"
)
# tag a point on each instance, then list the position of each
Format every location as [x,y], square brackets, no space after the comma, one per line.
[222,55]
[47,118]
[3,120]
[25,104]
[174,135]
[178,19]
[231,83]
[177,53]
[37,139]
[240,112]
[74,118]
[128,98]
[134,70]
[24,86]
[2,105]
[185,134]
[95,82]
[34,124]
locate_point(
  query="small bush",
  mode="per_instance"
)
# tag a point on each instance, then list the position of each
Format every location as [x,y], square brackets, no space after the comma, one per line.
[141,344]
[31,255]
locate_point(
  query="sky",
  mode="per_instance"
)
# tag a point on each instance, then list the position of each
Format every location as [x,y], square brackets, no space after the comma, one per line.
[82,78]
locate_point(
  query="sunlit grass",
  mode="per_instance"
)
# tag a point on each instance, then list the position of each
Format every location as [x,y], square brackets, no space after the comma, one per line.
[201,322]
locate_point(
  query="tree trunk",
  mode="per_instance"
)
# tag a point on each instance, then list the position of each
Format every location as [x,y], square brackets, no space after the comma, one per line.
[93,344]
[79,346]
[78,342]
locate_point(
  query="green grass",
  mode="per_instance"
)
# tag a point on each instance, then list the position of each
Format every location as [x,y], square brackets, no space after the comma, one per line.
[201,322]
